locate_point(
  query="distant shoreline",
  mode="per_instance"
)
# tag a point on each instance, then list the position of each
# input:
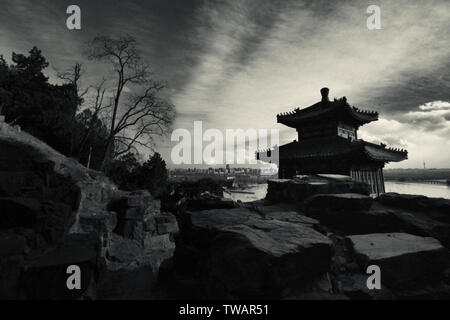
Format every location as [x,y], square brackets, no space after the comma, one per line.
[417,175]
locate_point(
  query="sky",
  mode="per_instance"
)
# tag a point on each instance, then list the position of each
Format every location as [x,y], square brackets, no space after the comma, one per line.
[236,64]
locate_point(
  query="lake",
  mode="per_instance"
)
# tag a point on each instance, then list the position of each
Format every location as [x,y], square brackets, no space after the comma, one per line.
[429,190]
[426,189]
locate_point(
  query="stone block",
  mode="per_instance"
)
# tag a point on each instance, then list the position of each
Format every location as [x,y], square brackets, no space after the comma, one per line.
[134,213]
[133,230]
[402,257]
[335,202]
[149,224]
[158,242]
[167,227]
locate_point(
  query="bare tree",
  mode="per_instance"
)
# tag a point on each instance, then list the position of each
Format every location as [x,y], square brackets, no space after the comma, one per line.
[138,114]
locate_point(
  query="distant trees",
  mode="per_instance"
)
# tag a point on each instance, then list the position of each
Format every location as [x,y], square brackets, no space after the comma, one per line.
[153,175]
[129,174]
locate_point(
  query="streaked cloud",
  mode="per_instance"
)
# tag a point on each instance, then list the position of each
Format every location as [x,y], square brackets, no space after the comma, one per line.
[236,64]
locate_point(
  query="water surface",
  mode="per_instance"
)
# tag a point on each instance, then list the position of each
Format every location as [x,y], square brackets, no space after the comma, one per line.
[426,189]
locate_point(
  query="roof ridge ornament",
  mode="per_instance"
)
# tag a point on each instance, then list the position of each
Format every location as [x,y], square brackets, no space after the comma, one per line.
[324,92]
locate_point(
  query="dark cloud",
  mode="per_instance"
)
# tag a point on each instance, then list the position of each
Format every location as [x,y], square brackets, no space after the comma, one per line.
[236,64]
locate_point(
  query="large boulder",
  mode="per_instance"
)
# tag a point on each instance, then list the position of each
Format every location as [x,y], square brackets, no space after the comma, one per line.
[238,253]
[338,202]
[436,208]
[350,213]
[402,257]
[420,223]
[132,268]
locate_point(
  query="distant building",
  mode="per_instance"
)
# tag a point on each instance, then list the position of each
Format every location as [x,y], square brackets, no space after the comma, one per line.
[328,144]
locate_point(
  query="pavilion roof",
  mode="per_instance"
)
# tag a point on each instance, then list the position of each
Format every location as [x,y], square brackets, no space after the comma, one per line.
[340,147]
[337,109]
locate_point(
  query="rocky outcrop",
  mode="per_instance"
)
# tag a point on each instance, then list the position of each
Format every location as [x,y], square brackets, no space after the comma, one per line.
[312,238]
[56,213]
[300,188]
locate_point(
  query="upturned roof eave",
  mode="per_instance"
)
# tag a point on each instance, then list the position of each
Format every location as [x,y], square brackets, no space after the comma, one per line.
[294,119]
[359,148]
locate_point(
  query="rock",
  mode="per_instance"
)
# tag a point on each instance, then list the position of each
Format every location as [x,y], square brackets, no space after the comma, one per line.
[401,257]
[297,190]
[19,212]
[11,244]
[290,216]
[337,202]
[75,248]
[435,208]
[127,281]
[352,214]
[98,221]
[208,204]
[131,271]
[158,242]
[149,224]
[153,208]
[354,286]
[123,249]
[134,213]
[167,227]
[166,223]
[55,220]
[165,217]
[133,230]
[10,272]
[55,212]
[252,257]
[359,222]
[420,223]
[45,270]
[318,288]
[141,198]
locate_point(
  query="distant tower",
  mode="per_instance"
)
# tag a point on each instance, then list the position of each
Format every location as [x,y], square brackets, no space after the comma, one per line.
[424,165]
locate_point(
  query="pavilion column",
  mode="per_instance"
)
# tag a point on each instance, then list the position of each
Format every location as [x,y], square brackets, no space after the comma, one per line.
[372,181]
[377,182]
[382,181]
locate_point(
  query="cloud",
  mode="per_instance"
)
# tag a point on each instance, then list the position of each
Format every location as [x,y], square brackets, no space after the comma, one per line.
[236,64]
[435,105]
[425,134]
